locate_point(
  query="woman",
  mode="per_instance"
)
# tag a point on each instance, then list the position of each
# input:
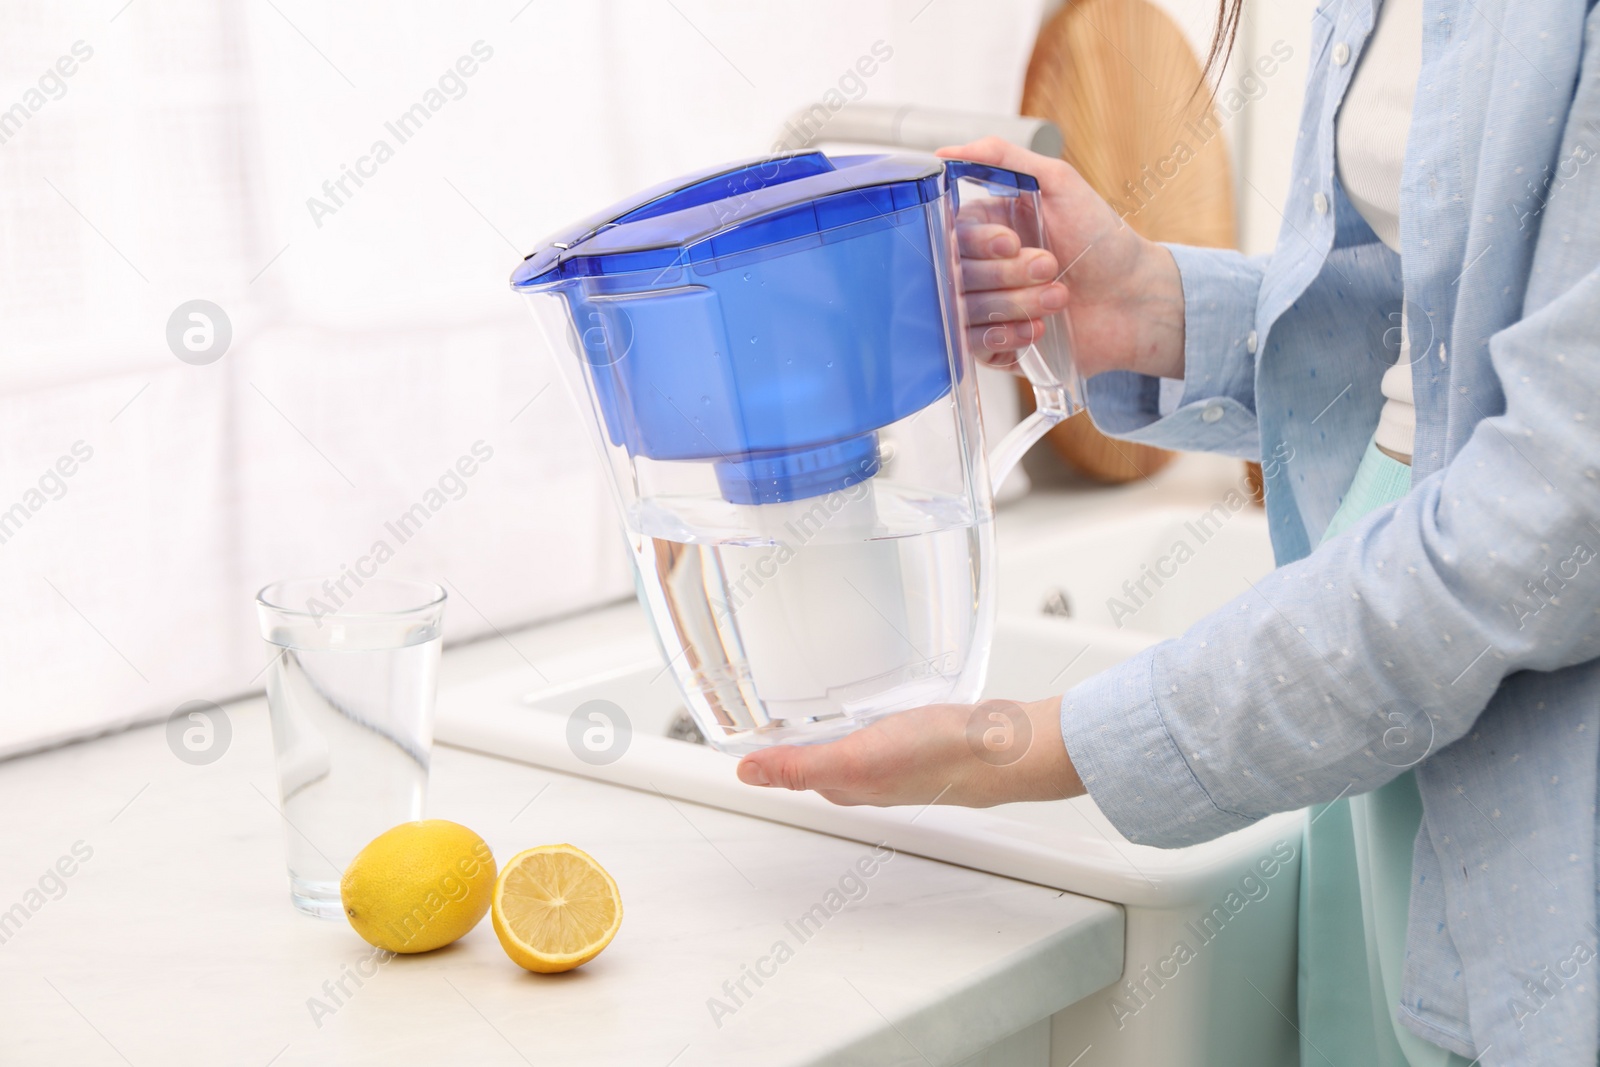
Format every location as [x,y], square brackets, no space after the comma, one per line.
[1424,660]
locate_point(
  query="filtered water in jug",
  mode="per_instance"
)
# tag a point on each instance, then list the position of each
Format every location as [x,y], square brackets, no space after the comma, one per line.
[773,357]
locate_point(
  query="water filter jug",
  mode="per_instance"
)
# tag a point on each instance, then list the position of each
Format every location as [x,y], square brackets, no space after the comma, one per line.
[773,355]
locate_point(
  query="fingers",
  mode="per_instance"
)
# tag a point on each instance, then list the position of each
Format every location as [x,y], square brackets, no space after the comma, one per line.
[821,767]
[760,768]
[998,152]
[1006,361]
[993,209]
[1015,305]
[986,240]
[1032,267]
[995,151]
[1007,319]
[1003,337]
[910,757]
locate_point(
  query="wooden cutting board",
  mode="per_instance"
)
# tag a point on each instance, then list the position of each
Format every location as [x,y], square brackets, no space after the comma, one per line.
[1119,78]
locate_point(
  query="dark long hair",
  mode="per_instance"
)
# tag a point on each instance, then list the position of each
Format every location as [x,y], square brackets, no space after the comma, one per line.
[1222,40]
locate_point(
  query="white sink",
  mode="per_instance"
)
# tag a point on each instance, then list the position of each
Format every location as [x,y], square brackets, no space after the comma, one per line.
[1156,572]
[1068,846]
[1201,559]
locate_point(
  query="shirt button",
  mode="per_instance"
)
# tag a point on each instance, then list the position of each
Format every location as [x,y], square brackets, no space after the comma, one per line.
[1250,343]
[1341,54]
[1320,202]
[1211,414]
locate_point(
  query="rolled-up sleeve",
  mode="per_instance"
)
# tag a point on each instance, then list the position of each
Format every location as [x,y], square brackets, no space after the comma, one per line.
[1213,408]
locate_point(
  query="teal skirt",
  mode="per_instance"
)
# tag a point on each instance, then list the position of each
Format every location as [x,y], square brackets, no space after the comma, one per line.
[1355,885]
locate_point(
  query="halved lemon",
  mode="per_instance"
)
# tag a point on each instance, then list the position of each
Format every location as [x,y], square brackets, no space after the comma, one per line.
[555,908]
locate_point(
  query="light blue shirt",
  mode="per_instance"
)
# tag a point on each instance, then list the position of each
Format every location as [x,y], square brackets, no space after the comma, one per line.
[1468,613]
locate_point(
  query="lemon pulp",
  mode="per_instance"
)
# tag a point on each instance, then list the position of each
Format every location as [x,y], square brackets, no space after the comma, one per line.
[555,908]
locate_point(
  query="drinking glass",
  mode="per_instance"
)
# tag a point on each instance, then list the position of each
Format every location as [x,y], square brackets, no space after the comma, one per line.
[350,694]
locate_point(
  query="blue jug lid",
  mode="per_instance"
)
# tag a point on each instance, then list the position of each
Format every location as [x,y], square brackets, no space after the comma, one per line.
[741,207]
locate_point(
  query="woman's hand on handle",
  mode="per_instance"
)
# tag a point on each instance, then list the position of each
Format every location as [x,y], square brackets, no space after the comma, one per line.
[974,756]
[1121,292]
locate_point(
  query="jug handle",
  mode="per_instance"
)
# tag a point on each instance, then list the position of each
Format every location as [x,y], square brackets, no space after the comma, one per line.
[1047,362]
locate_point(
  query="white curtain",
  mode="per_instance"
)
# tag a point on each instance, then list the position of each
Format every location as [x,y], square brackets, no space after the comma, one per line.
[374,341]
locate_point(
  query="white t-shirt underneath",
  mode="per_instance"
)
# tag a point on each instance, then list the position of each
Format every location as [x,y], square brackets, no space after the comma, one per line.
[1370,148]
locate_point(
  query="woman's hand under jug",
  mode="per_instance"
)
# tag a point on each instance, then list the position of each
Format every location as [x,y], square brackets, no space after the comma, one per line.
[975,756]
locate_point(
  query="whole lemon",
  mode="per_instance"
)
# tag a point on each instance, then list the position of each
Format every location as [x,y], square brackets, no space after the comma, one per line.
[418,886]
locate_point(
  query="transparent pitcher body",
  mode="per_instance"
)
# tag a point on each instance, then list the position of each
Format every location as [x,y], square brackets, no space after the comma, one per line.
[788,413]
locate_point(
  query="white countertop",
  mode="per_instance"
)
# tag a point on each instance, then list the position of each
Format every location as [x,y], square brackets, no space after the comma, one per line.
[174,942]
